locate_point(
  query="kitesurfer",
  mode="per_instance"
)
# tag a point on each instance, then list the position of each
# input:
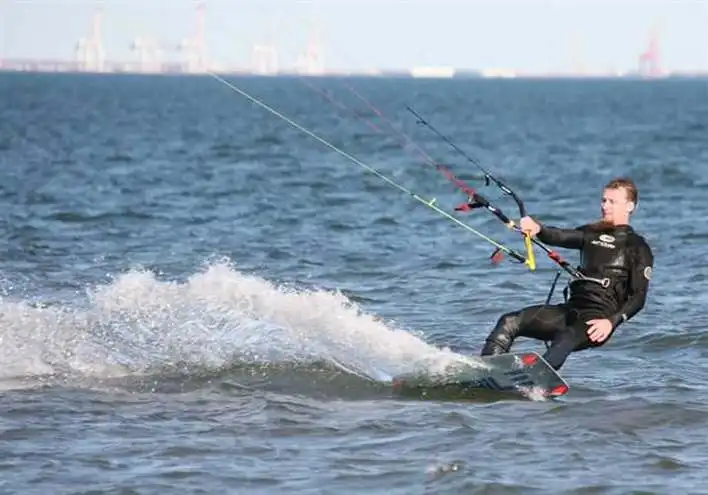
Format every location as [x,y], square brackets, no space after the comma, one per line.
[616,266]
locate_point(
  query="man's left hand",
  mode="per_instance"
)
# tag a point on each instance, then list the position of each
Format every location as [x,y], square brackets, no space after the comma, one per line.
[599,330]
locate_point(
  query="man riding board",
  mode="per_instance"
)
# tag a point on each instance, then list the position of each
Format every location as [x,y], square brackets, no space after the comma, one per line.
[616,266]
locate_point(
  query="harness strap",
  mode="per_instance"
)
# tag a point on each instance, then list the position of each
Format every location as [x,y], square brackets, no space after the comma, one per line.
[604,282]
[550,294]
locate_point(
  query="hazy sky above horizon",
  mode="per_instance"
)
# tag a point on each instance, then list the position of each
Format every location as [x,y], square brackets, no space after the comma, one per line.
[537,35]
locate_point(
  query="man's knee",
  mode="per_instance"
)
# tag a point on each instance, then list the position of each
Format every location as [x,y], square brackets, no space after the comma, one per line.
[500,339]
[573,339]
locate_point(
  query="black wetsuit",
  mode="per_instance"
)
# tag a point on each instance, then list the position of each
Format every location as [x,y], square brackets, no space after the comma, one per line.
[617,263]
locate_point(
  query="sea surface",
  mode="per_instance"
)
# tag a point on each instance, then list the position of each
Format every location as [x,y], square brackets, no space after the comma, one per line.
[199,297]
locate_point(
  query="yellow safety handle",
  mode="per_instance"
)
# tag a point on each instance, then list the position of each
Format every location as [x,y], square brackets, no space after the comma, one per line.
[530,258]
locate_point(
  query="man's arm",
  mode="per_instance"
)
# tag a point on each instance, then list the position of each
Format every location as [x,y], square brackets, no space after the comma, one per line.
[567,238]
[638,285]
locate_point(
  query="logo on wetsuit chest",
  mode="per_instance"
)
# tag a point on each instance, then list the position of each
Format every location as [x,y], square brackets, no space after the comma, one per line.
[605,240]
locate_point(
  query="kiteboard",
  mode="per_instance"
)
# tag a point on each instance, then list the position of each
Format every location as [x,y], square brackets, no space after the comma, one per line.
[513,372]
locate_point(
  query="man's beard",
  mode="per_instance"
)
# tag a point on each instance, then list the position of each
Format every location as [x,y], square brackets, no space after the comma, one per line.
[600,225]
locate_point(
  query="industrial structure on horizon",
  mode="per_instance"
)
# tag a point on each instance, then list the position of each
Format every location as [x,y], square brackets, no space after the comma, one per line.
[192,52]
[90,55]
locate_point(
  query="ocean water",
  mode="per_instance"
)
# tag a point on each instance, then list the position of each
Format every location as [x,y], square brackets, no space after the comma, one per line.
[198,297]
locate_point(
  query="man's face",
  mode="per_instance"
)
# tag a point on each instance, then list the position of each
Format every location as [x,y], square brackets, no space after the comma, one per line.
[615,206]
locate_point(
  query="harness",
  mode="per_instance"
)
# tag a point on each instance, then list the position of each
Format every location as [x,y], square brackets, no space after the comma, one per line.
[604,282]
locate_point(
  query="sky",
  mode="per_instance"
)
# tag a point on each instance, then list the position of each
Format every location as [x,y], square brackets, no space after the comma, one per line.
[522,35]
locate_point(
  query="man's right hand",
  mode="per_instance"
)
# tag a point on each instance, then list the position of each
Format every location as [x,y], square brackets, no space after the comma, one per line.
[530,226]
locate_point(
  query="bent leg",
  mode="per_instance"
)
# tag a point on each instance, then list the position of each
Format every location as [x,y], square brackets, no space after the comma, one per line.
[574,338]
[540,321]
